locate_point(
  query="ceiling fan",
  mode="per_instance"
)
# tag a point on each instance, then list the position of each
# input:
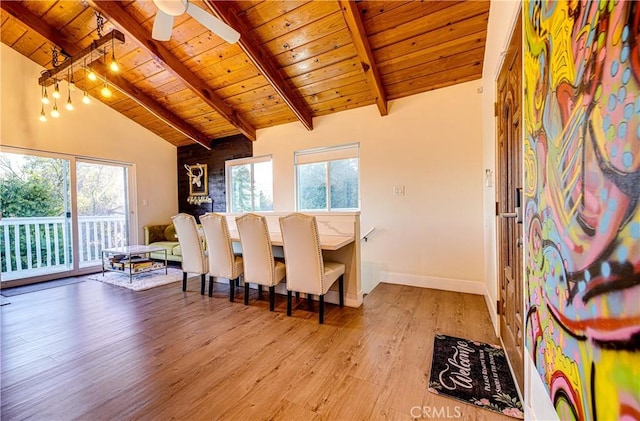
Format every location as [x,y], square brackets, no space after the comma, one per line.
[168,9]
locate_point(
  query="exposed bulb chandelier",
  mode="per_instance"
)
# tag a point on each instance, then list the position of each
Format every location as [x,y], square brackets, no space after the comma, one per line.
[64,69]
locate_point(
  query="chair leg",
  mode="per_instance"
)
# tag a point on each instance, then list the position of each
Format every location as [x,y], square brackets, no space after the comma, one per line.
[210,286]
[184,281]
[297,294]
[341,290]
[288,303]
[272,298]
[321,309]
[203,282]
[246,293]
[259,292]
[232,289]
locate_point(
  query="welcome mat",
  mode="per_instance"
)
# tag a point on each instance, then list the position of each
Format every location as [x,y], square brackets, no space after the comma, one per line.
[140,281]
[475,373]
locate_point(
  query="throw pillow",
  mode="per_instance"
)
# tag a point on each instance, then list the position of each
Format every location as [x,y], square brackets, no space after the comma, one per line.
[170,233]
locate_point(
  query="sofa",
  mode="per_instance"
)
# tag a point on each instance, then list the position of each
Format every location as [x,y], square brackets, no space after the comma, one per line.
[163,236]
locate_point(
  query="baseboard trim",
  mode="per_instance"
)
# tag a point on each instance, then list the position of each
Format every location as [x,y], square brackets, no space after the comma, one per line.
[445,284]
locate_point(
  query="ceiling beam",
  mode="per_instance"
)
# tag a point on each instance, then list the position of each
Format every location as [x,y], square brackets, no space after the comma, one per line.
[228,13]
[119,17]
[36,24]
[361,42]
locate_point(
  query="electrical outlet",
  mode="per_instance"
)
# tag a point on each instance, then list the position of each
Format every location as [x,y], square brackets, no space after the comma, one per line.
[398,190]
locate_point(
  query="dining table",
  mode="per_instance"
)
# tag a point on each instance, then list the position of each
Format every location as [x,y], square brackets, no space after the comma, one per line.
[327,242]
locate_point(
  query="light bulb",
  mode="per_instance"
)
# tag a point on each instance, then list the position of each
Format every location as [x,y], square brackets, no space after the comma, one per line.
[92,75]
[105,91]
[55,113]
[72,85]
[114,64]
[56,91]
[43,116]
[45,97]
[69,105]
[85,98]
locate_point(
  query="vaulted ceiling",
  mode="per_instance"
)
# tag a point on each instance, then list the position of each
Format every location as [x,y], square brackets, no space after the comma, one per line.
[295,59]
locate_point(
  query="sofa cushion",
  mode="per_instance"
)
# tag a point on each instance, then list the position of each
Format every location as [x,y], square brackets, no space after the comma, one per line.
[168,245]
[170,233]
[177,251]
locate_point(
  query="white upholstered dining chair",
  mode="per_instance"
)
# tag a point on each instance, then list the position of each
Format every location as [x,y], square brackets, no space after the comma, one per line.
[306,269]
[223,263]
[260,267]
[193,254]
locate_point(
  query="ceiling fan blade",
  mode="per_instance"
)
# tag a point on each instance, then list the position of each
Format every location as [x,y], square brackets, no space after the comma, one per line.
[162,26]
[214,24]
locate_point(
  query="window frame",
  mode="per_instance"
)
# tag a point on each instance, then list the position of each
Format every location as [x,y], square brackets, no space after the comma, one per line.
[229,164]
[326,154]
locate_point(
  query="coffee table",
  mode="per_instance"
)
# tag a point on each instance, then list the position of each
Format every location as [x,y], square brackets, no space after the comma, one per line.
[133,260]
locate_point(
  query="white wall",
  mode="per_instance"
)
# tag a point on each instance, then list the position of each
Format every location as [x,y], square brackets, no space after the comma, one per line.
[93,130]
[429,143]
[502,19]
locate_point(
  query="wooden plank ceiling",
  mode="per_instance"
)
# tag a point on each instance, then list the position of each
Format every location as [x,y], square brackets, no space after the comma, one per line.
[295,59]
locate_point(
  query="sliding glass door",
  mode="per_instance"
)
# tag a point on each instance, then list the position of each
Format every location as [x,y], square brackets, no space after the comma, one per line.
[58,213]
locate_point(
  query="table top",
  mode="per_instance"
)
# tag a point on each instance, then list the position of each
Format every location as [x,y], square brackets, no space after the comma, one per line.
[133,249]
[327,242]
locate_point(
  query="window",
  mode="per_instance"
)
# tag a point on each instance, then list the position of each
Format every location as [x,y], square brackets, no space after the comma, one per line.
[327,179]
[249,184]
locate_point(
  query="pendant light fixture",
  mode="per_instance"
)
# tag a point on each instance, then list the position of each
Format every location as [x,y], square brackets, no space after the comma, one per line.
[92,76]
[54,112]
[56,91]
[72,82]
[105,91]
[114,64]
[85,96]
[69,105]
[45,97]
[63,62]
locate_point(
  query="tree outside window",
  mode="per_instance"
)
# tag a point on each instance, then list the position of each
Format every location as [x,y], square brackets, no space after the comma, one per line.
[328,179]
[250,184]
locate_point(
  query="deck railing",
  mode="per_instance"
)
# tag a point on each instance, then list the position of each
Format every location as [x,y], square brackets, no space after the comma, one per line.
[31,246]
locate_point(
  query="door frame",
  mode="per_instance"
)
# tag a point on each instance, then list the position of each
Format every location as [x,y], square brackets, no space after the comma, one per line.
[497,160]
[73,159]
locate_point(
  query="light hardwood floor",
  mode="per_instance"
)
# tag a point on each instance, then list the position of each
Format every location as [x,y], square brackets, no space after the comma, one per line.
[93,351]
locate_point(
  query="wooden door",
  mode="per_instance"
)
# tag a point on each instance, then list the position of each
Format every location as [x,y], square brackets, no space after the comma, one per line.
[509,197]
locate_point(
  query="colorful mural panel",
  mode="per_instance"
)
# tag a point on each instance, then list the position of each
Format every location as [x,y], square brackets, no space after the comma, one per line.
[582,210]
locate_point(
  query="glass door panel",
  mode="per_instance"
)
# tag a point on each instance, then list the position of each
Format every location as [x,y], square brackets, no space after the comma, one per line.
[103,209]
[35,228]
